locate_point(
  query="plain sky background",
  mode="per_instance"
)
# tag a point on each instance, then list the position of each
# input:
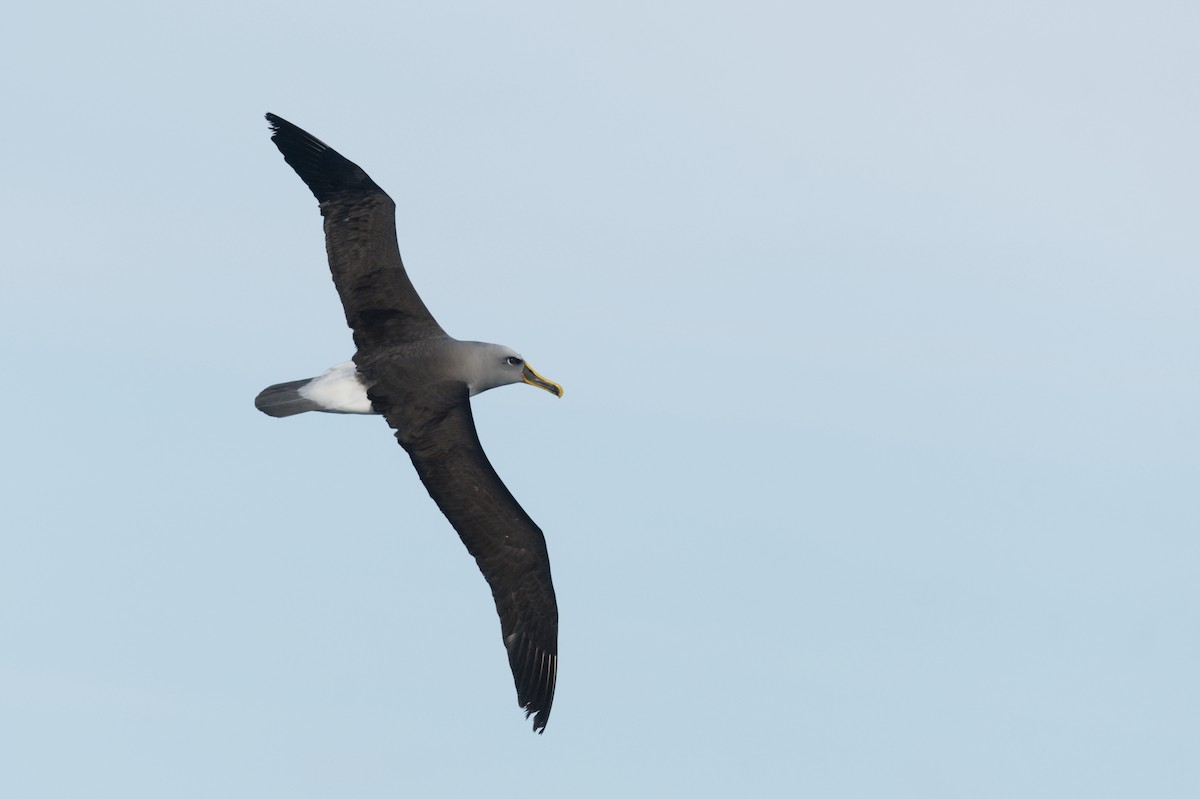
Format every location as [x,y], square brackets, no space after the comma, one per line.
[876,472]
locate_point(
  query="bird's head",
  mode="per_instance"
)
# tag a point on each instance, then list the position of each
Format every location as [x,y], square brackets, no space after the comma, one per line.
[496,365]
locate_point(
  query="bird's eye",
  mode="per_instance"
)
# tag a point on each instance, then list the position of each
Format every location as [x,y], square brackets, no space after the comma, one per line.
[512,360]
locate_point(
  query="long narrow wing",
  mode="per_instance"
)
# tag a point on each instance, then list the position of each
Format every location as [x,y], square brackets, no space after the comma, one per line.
[381,305]
[438,431]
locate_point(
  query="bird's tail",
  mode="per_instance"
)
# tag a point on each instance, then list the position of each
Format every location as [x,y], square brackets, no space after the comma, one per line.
[284,399]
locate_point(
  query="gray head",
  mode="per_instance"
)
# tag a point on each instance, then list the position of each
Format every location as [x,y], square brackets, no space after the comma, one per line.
[490,365]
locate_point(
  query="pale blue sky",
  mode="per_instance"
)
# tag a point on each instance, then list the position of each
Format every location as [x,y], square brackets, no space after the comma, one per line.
[876,472]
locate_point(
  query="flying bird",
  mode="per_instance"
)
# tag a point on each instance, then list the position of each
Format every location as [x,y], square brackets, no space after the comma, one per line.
[407,369]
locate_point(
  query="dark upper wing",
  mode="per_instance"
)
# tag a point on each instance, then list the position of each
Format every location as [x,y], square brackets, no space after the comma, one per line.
[382,307]
[435,426]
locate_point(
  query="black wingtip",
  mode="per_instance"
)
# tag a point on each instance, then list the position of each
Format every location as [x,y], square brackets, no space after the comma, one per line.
[535,672]
[539,720]
[293,134]
[324,170]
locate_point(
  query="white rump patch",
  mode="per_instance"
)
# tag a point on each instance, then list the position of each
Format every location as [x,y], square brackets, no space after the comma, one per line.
[340,390]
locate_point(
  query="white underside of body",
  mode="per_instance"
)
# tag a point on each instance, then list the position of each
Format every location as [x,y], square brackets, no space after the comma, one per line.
[340,390]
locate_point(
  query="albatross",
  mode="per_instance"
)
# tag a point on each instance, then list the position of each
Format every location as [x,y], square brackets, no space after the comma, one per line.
[408,370]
